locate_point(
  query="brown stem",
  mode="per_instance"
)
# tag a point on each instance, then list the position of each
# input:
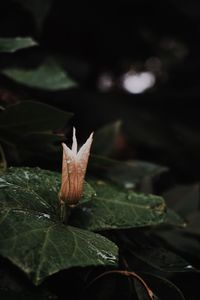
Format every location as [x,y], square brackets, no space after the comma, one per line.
[65,211]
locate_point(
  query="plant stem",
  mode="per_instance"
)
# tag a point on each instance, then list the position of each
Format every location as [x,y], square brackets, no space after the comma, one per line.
[3,163]
[64,212]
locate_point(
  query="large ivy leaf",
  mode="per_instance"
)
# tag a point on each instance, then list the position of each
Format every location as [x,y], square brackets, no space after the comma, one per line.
[113,209]
[106,208]
[47,76]
[10,45]
[41,247]
[31,235]
[40,187]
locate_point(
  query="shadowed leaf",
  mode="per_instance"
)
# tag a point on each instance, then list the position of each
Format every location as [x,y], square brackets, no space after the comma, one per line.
[10,45]
[47,76]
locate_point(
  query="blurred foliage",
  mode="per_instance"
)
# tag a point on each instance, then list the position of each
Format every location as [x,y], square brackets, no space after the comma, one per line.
[28,132]
[58,57]
[10,45]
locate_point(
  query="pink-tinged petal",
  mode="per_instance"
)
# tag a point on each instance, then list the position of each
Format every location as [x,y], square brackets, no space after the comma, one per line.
[68,168]
[73,171]
[83,155]
[74,144]
[84,151]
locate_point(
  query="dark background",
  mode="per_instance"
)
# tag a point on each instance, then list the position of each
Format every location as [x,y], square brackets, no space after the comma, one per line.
[99,43]
[107,39]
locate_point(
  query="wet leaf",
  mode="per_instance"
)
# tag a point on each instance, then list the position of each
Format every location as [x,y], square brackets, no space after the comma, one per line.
[113,209]
[31,234]
[48,76]
[41,247]
[40,187]
[10,45]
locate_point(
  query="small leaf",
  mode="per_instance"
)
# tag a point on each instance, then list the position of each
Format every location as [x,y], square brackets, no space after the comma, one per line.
[31,235]
[184,199]
[172,218]
[113,209]
[106,138]
[11,45]
[47,76]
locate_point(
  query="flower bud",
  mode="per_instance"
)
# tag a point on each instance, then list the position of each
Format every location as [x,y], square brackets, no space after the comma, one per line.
[74,167]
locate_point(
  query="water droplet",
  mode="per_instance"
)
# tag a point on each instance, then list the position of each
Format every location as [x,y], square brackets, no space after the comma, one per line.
[68,161]
[107,256]
[46,216]
[26,175]
[189,267]
[87,210]
[129,185]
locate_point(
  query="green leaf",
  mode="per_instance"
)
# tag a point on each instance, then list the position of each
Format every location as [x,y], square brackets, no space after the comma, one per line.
[113,209]
[11,45]
[30,116]
[28,128]
[186,245]
[151,253]
[47,76]
[31,235]
[184,199]
[41,247]
[173,219]
[40,187]
[130,174]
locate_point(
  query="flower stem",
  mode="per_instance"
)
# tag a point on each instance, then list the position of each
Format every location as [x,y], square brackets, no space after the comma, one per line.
[64,212]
